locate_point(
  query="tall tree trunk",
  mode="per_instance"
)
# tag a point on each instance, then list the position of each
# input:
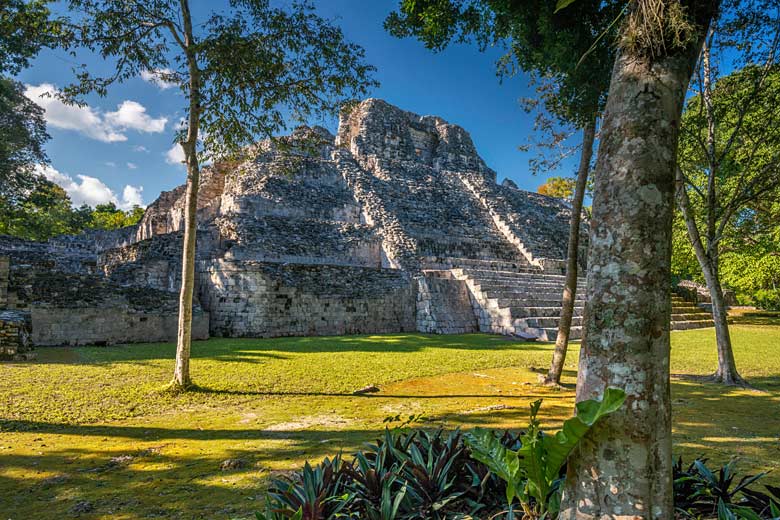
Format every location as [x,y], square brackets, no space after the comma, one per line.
[623,468]
[727,366]
[570,288]
[181,374]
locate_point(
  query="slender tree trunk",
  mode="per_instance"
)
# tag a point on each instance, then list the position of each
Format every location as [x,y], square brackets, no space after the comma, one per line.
[727,367]
[181,375]
[570,288]
[623,468]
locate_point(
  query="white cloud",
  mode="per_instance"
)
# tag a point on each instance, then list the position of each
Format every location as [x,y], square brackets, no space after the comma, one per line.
[132,196]
[91,190]
[71,117]
[132,166]
[140,148]
[108,128]
[155,77]
[175,155]
[111,164]
[131,114]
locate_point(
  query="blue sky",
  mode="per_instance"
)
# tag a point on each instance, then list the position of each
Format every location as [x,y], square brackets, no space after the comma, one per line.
[116,148]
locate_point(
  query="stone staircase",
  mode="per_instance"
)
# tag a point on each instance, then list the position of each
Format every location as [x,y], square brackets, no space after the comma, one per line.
[687,315]
[522,302]
[526,302]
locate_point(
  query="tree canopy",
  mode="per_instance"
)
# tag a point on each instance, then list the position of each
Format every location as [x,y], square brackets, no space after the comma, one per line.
[570,52]
[742,222]
[561,187]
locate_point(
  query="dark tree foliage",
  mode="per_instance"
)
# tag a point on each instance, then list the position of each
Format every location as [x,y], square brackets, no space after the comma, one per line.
[25,27]
[22,135]
[573,49]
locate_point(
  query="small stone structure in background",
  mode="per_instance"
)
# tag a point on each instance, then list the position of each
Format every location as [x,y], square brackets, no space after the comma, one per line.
[15,344]
[393,225]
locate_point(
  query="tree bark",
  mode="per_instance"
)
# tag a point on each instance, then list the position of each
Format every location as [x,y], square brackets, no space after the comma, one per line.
[623,468]
[727,367]
[570,288]
[181,374]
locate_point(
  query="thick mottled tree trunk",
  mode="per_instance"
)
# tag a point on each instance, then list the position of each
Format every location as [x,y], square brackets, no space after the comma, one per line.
[623,468]
[181,375]
[727,366]
[570,288]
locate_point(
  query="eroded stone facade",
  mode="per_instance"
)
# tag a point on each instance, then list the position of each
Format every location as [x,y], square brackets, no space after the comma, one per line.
[395,224]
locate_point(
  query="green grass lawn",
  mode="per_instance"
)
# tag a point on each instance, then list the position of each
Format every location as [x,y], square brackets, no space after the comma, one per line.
[90,425]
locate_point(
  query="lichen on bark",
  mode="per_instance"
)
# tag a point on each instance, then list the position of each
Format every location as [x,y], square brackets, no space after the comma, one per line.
[622,469]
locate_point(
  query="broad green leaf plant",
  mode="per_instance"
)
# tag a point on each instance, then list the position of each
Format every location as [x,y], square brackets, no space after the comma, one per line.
[532,472]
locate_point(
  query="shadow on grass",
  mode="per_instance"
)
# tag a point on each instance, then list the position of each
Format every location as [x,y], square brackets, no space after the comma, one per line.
[248,350]
[135,470]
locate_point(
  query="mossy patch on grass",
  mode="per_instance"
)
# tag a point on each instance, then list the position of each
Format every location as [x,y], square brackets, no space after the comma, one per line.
[90,425]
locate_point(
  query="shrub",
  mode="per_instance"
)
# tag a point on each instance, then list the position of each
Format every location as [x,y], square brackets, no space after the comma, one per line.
[416,475]
[702,493]
[767,299]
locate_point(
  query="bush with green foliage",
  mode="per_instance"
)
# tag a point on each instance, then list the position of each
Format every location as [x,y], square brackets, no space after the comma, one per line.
[436,475]
[416,474]
[702,493]
[767,299]
[532,472]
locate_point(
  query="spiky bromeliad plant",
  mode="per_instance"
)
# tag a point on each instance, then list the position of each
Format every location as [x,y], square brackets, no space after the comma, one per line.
[532,472]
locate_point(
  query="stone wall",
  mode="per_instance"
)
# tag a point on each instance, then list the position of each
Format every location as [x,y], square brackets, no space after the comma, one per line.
[166,214]
[69,308]
[118,324]
[444,305]
[5,266]
[155,262]
[258,299]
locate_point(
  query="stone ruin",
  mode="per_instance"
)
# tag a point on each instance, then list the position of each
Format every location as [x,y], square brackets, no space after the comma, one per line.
[394,225]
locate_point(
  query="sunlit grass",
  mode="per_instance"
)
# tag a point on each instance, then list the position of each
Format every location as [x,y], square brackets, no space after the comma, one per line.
[91,425]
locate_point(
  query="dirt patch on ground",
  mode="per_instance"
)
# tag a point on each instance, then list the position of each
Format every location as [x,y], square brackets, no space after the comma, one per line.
[304,423]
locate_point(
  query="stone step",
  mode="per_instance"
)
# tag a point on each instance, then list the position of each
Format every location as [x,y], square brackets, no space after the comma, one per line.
[552,311]
[511,291]
[522,282]
[484,265]
[690,309]
[552,323]
[551,333]
[698,316]
[516,308]
[533,300]
[688,325]
[480,274]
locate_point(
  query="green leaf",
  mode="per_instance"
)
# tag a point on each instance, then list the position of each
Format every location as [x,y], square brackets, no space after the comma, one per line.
[559,446]
[487,449]
[563,4]
[531,456]
[724,513]
[745,513]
